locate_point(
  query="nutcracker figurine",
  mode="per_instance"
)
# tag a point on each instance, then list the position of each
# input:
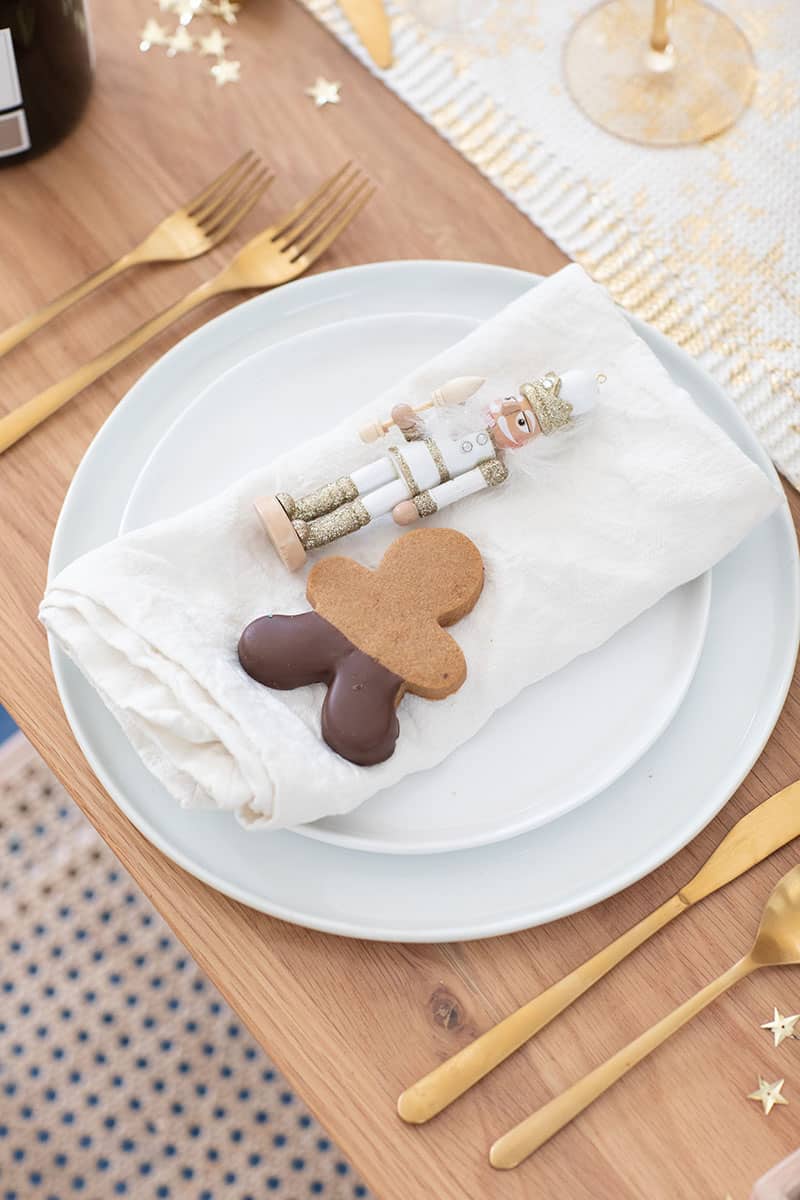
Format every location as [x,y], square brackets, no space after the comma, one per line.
[424,474]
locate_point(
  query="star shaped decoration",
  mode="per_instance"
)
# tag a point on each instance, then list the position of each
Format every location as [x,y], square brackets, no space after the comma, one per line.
[324,91]
[226,71]
[227,10]
[153,34]
[180,42]
[769,1094]
[214,43]
[781,1027]
[188,9]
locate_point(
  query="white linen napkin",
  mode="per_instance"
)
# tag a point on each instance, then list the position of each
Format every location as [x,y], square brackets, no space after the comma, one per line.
[646,494]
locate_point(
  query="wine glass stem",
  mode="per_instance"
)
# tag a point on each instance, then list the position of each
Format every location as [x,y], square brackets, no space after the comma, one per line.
[659,38]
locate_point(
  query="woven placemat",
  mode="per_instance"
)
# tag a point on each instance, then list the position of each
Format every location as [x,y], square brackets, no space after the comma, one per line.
[699,241]
[122,1070]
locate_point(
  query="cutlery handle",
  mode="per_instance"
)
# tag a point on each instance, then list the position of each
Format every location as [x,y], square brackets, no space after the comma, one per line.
[25,418]
[22,329]
[447,1082]
[510,1150]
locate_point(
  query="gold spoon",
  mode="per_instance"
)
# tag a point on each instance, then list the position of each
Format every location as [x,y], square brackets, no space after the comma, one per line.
[777,944]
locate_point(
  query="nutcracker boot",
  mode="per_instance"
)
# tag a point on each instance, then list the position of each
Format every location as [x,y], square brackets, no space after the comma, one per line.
[293,538]
[333,510]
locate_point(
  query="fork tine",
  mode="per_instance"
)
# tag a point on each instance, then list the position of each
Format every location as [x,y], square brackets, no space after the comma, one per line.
[192,204]
[245,204]
[230,202]
[236,181]
[316,210]
[344,220]
[330,217]
[303,205]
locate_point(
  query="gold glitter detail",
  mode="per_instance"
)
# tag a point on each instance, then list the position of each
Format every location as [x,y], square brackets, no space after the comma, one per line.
[436,455]
[552,411]
[323,500]
[346,519]
[287,503]
[404,470]
[601,378]
[425,504]
[301,529]
[494,471]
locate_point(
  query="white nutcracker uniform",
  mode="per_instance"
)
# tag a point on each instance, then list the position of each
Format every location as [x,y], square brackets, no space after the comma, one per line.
[448,470]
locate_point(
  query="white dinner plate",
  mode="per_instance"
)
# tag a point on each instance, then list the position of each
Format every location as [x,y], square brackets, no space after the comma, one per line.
[643,818]
[583,726]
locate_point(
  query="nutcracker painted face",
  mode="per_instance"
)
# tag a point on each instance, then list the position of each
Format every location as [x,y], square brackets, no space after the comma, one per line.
[513,423]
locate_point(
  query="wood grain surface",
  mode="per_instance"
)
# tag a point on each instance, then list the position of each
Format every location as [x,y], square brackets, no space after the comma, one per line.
[352,1023]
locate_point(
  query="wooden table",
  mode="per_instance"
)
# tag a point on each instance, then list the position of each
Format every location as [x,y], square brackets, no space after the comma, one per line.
[351,1023]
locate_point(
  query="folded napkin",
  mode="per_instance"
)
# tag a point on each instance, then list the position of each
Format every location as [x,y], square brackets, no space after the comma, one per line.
[644,495]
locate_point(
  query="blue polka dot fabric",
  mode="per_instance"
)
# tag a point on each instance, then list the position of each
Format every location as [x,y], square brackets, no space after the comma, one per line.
[122,1070]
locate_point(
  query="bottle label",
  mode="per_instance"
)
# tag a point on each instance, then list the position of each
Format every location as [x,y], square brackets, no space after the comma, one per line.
[14,136]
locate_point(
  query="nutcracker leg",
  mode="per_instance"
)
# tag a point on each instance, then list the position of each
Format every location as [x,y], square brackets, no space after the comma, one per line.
[327,528]
[333,495]
[382,501]
[325,499]
[351,516]
[332,511]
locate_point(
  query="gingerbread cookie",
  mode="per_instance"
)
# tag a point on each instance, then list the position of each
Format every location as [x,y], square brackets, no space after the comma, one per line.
[373,636]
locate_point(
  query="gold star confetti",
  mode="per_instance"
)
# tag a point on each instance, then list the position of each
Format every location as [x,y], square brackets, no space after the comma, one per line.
[214,43]
[188,10]
[781,1027]
[225,9]
[225,71]
[324,91]
[209,41]
[153,34]
[769,1094]
[180,42]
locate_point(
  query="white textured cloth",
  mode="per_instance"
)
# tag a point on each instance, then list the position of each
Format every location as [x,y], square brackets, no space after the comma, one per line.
[700,241]
[643,496]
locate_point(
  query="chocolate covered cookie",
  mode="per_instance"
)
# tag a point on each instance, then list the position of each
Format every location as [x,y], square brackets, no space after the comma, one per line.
[372,636]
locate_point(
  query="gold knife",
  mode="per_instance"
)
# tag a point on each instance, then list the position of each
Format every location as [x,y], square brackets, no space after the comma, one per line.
[369,20]
[771,825]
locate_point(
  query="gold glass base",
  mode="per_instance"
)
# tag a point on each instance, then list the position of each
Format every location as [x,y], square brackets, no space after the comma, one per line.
[689,92]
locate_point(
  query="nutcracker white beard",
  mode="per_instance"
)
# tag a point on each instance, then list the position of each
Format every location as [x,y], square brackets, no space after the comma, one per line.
[551,452]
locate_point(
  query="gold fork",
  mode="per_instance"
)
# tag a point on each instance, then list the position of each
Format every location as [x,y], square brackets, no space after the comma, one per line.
[282,252]
[194,229]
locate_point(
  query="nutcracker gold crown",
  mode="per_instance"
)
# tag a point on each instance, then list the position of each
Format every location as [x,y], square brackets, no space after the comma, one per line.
[550,408]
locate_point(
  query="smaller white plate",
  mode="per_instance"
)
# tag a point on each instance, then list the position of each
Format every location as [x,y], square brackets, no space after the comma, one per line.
[614,702]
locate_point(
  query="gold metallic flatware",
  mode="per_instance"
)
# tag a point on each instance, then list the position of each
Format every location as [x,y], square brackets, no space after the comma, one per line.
[282,252]
[194,229]
[777,944]
[768,827]
[369,20]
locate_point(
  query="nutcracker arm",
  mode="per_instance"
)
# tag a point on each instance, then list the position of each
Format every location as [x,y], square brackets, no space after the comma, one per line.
[425,504]
[456,391]
[405,418]
[459,488]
